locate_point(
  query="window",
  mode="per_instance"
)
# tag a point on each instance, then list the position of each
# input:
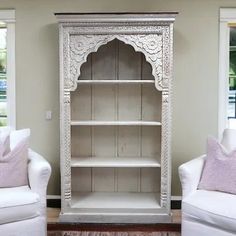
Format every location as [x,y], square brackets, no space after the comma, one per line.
[3,74]
[227,70]
[7,68]
[231,108]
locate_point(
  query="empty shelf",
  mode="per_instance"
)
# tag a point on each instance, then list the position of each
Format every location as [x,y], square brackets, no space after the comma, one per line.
[115,200]
[115,81]
[102,123]
[114,162]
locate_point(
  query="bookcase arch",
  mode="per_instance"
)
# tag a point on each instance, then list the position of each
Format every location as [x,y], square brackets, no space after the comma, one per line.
[149,45]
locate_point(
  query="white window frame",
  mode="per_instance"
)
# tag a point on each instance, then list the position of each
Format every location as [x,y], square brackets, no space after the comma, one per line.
[227,17]
[8,17]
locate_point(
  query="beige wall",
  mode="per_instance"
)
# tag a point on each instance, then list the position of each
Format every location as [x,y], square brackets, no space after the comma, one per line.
[196,71]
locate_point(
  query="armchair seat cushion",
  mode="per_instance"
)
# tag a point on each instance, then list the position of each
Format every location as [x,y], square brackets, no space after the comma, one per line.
[17,204]
[211,207]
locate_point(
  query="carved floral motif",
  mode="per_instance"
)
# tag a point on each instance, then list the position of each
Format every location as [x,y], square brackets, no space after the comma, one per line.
[82,45]
[151,46]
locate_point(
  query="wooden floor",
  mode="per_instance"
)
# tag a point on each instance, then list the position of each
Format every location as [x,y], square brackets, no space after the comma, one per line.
[55,228]
[53,215]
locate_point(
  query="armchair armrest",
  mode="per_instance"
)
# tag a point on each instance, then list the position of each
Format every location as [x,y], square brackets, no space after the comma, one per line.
[39,171]
[190,174]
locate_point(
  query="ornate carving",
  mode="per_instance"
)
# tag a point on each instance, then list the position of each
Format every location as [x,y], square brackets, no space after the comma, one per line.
[151,46]
[108,29]
[65,58]
[67,146]
[167,48]
[165,148]
[166,118]
[82,45]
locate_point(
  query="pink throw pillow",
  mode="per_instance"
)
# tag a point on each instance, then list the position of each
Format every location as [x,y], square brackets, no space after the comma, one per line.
[4,143]
[219,171]
[13,166]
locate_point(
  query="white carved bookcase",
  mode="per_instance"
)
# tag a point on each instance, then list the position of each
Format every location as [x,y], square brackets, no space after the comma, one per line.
[115,117]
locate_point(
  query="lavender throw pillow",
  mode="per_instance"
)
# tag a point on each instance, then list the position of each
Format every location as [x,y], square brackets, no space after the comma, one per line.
[4,143]
[219,172]
[13,166]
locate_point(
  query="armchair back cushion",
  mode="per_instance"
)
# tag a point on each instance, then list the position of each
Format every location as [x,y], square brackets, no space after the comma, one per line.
[13,165]
[229,139]
[219,169]
[4,143]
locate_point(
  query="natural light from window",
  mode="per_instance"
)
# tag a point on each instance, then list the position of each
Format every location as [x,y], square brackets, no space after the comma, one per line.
[3,75]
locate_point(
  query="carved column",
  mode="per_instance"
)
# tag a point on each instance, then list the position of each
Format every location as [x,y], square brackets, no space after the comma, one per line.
[65,151]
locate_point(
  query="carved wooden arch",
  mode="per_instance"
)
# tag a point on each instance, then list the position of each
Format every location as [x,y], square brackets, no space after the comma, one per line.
[80,46]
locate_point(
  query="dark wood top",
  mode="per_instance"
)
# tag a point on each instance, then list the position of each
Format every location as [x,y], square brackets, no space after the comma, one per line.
[114,13]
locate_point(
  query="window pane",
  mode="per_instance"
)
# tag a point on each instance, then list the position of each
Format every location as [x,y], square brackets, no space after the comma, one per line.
[3,78]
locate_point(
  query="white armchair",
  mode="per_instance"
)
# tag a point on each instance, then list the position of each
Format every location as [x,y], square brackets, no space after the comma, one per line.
[23,209]
[206,213]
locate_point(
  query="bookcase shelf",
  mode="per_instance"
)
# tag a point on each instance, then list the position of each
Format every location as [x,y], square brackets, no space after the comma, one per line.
[114,123]
[135,162]
[103,82]
[115,200]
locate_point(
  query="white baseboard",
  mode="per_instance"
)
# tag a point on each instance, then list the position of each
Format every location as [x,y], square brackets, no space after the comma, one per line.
[176,198]
[53,196]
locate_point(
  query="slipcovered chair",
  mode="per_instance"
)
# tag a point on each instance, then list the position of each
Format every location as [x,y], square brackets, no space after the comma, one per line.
[23,208]
[206,213]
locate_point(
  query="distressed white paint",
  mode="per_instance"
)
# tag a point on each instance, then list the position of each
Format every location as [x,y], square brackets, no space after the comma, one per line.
[118,133]
[115,200]
[114,162]
[123,81]
[109,123]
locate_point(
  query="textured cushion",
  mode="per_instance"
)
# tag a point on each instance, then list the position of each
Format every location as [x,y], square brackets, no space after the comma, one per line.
[219,171]
[229,139]
[13,166]
[5,140]
[4,143]
[211,207]
[17,135]
[17,204]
